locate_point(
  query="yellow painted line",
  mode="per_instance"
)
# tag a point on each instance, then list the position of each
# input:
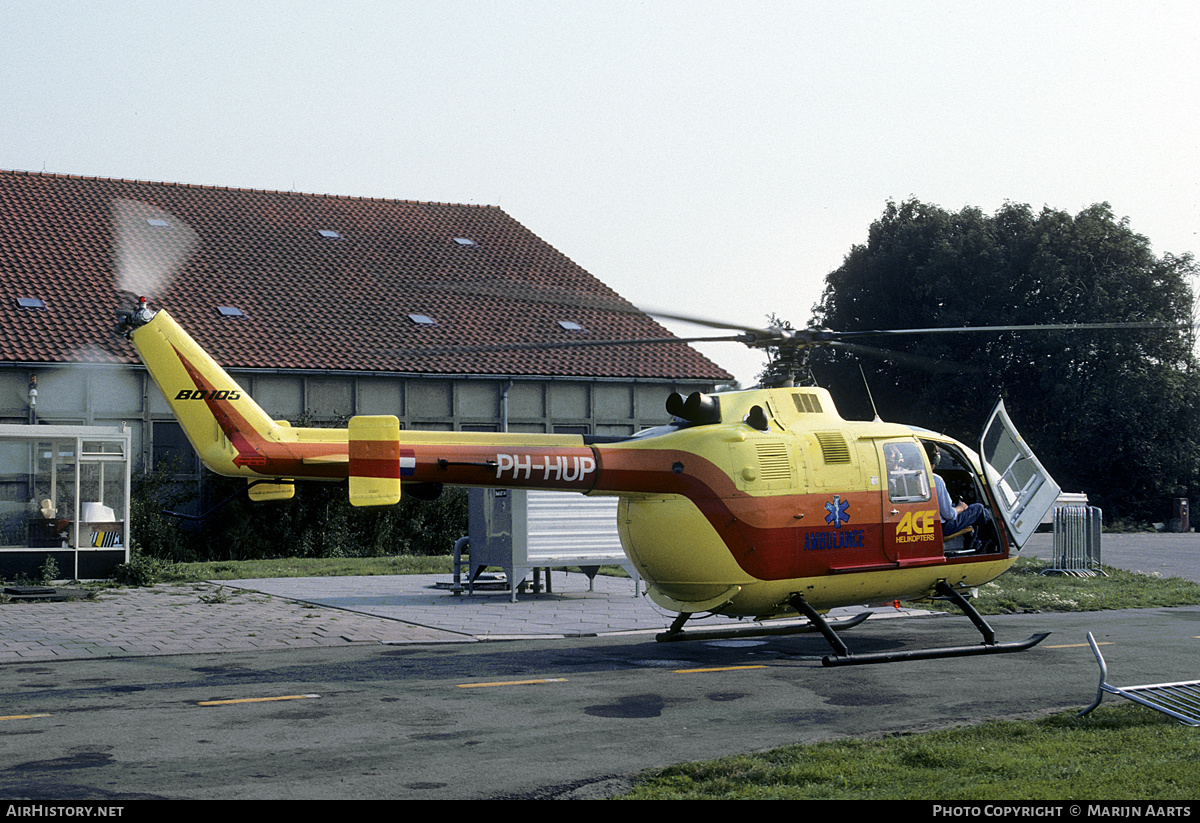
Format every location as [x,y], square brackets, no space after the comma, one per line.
[1076,645]
[719,669]
[22,716]
[257,699]
[512,683]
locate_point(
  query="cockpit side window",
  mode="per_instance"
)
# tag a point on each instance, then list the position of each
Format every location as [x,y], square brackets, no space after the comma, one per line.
[908,481]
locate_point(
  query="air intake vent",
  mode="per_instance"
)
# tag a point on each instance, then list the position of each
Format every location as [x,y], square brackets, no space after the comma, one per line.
[833,447]
[773,461]
[807,403]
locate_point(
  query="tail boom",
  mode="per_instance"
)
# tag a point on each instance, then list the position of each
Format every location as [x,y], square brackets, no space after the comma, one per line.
[235,437]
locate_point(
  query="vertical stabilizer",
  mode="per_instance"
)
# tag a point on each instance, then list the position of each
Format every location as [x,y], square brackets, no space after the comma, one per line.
[230,432]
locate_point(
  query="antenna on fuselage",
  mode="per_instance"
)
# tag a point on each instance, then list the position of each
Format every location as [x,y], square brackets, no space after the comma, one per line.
[867,386]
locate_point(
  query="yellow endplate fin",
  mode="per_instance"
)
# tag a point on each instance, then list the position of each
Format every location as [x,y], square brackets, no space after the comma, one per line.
[262,492]
[374,460]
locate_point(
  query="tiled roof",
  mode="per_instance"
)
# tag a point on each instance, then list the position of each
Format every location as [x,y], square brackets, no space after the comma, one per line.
[323,282]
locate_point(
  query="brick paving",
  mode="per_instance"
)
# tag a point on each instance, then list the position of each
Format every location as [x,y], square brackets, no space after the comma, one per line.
[186,619]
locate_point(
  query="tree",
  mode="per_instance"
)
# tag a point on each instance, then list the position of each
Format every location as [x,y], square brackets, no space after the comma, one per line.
[1108,412]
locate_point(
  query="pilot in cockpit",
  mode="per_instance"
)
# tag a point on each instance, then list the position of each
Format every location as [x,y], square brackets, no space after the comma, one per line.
[954,518]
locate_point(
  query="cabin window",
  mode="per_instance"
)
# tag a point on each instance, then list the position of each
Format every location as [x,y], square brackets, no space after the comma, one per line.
[907,480]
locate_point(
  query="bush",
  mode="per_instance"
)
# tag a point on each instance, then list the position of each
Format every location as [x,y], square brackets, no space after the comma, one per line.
[155,533]
[318,522]
[48,571]
[139,571]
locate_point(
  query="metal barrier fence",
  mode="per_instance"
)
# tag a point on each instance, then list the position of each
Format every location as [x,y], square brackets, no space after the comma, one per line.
[1077,531]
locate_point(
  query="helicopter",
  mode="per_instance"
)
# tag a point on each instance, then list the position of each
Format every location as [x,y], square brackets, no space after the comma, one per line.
[761,504]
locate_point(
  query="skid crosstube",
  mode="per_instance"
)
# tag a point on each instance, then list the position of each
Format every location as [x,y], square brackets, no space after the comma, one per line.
[676,634]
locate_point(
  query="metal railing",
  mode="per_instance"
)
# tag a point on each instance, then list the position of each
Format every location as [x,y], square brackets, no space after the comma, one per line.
[1077,531]
[1178,700]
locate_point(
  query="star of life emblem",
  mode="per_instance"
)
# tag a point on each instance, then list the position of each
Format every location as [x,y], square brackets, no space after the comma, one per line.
[838,511]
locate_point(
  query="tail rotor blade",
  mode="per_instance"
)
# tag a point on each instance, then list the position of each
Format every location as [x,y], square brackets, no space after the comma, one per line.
[149,246]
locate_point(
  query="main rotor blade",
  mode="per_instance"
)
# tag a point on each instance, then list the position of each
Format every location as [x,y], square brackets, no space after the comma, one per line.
[905,358]
[757,331]
[997,329]
[533,293]
[614,304]
[556,344]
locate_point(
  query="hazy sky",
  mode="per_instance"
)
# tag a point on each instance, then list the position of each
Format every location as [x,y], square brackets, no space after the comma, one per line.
[706,158]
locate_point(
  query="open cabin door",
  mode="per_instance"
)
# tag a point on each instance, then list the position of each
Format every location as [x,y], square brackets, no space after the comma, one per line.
[1023,490]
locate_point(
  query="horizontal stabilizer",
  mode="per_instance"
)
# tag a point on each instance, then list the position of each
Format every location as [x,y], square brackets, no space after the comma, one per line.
[374,460]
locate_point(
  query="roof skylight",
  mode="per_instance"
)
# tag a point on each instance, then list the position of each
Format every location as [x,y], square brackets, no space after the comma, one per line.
[31,302]
[422,319]
[570,325]
[329,233]
[465,241]
[157,221]
[230,311]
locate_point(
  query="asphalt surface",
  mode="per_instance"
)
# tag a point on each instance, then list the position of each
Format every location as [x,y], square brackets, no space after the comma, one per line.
[293,613]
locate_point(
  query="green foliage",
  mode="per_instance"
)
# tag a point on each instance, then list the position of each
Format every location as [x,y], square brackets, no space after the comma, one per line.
[152,532]
[318,522]
[49,571]
[1109,412]
[141,570]
[305,567]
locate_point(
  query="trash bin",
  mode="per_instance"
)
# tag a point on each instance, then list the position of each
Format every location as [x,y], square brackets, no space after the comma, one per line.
[1179,514]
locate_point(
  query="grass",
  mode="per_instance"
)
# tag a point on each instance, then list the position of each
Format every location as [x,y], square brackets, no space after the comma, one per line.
[304,567]
[1024,589]
[1116,753]
[157,571]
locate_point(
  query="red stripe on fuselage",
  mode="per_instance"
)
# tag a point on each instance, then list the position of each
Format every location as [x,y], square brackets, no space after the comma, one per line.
[378,467]
[256,452]
[761,532]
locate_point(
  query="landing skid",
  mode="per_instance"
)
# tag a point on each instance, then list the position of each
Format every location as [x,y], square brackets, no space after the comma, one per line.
[676,633]
[843,657]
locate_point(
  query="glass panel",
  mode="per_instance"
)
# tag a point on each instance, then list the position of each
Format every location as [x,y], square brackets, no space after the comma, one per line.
[1023,489]
[49,490]
[907,480]
[102,505]
[62,489]
[103,447]
[1019,476]
[16,493]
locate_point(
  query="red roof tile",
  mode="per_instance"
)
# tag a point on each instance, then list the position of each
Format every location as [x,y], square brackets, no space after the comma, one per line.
[310,301]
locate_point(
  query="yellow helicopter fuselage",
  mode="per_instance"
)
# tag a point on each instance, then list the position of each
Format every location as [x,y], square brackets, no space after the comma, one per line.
[767,495]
